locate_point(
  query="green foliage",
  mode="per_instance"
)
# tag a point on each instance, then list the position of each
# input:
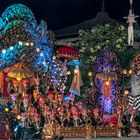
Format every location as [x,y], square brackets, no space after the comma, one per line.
[91,43]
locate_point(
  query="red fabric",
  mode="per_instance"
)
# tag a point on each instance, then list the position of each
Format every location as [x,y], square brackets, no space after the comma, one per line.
[113,120]
[5,86]
[67,52]
[5,135]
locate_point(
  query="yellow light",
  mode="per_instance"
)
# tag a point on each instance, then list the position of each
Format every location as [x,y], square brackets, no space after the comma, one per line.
[6,109]
[90,74]
[76,70]
[126,92]
[32,43]
[19,79]
[27,43]
[37,49]
[124,71]
[18,117]
[68,72]
[107,83]
[130,71]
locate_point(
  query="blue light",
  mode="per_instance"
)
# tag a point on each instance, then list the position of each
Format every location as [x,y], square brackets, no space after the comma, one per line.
[11,48]
[3,51]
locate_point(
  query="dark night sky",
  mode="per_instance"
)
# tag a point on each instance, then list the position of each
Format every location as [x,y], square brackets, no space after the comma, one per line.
[63,13]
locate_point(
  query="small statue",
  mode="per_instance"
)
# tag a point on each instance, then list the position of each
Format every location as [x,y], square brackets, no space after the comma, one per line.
[131,20]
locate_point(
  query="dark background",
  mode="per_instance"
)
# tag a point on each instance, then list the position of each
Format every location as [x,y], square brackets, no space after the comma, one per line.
[63,13]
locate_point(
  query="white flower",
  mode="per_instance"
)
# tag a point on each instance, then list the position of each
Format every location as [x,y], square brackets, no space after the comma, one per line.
[83,48]
[92,50]
[107,41]
[107,25]
[81,32]
[122,27]
[92,30]
[119,40]
[98,47]
[118,46]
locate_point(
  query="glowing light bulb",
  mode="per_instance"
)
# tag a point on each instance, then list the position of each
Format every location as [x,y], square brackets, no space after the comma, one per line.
[126,92]
[41,54]
[32,43]
[76,70]
[3,51]
[11,48]
[44,62]
[6,109]
[18,117]
[20,43]
[68,73]
[37,49]
[54,57]
[19,79]
[90,74]
[107,83]
[27,43]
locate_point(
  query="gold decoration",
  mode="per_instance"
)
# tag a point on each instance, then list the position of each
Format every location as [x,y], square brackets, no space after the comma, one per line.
[108,76]
[20,73]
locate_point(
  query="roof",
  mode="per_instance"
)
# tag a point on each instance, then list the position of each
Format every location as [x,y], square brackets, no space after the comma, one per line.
[102,17]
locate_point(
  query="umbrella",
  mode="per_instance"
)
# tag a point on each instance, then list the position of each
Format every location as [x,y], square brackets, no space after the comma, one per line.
[75,63]
[67,52]
[20,73]
[108,76]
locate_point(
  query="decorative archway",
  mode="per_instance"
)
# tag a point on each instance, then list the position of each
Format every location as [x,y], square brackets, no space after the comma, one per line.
[106,69]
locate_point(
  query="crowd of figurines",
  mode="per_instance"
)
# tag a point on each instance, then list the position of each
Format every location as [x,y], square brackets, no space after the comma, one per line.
[33,110]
